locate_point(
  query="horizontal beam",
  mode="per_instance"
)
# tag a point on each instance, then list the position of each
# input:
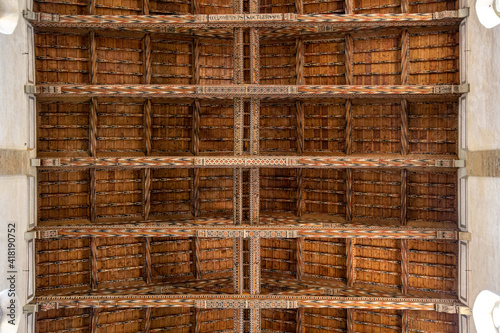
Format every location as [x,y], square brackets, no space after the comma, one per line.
[339,162]
[263,91]
[175,23]
[332,230]
[210,301]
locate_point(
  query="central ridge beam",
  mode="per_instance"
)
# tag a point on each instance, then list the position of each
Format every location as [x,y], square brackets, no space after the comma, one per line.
[210,301]
[333,230]
[341,162]
[241,90]
[176,23]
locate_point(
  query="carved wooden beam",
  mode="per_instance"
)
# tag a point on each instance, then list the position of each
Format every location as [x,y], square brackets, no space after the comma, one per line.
[299,61]
[254,126]
[238,196]
[147,260]
[94,318]
[405,6]
[342,162]
[170,23]
[405,266]
[238,56]
[255,320]
[254,56]
[239,320]
[238,126]
[92,8]
[300,258]
[92,56]
[145,7]
[45,303]
[196,61]
[241,91]
[283,230]
[254,196]
[405,322]
[349,7]
[195,6]
[93,263]
[147,193]
[197,257]
[350,253]
[197,320]
[195,141]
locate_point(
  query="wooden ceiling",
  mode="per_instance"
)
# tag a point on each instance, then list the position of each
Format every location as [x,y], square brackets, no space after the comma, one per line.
[293,172]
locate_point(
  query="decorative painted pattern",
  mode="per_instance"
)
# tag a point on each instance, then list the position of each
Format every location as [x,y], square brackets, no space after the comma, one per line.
[254,196]
[254,244]
[238,196]
[245,304]
[254,126]
[255,320]
[238,282]
[239,322]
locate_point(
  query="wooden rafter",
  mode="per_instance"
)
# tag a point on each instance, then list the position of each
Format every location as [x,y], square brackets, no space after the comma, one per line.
[405,266]
[404,128]
[404,197]
[299,107]
[93,127]
[341,162]
[350,320]
[350,254]
[255,320]
[195,196]
[196,61]
[254,126]
[300,321]
[405,322]
[239,321]
[300,192]
[300,258]
[349,195]
[349,53]
[405,57]
[348,127]
[145,7]
[197,257]
[147,193]
[238,284]
[148,132]
[93,263]
[92,56]
[147,260]
[242,91]
[94,318]
[147,64]
[313,229]
[299,61]
[197,320]
[195,141]
[147,318]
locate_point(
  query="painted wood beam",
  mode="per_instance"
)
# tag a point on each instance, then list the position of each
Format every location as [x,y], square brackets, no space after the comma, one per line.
[238,56]
[299,61]
[92,56]
[147,260]
[238,131]
[197,257]
[254,196]
[276,20]
[245,301]
[195,61]
[238,283]
[255,320]
[147,193]
[327,230]
[350,255]
[148,132]
[92,7]
[195,6]
[338,162]
[195,141]
[242,91]
[239,320]
[238,196]
[254,126]
[300,258]
[255,270]
[405,267]
[349,54]
[145,7]
[349,7]
[93,263]
[254,55]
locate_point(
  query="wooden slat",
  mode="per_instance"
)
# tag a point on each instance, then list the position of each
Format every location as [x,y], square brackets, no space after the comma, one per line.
[93,263]
[197,257]
[404,128]
[300,258]
[147,193]
[300,127]
[350,261]
[405,267]
[147,64]
[147,260]
[147,128]
[404,197]
[93,195]
[300,328]
[405,57]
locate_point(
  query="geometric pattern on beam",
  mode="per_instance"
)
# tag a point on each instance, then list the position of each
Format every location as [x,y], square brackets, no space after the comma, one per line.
[245,91]
[326,230]
[249,162]
[275,20]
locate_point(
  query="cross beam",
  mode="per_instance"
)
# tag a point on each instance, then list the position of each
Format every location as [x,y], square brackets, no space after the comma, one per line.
[341,162]
[180,23]
[240,90]
[327,230]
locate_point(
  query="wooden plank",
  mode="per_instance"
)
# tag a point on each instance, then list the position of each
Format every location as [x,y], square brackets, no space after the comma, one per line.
[148,133]
[350,253]
[93,195]
[147,62]
[300,327]
[147,193]
[195,192]
[93,127]
[299,107]
[300,258]
[349,54]
[338,162]
[147,260]
[197,257]
[300,192]
[46,303]
[348,127]
[404,128]
[244,91]
[404,197]
[288,228]
[405,267]
[147,314]
[93,263]
[349,195]
[405,57]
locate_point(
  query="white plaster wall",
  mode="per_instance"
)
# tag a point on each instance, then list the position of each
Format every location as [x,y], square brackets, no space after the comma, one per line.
[14,209]
[483,110]
[13,77]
